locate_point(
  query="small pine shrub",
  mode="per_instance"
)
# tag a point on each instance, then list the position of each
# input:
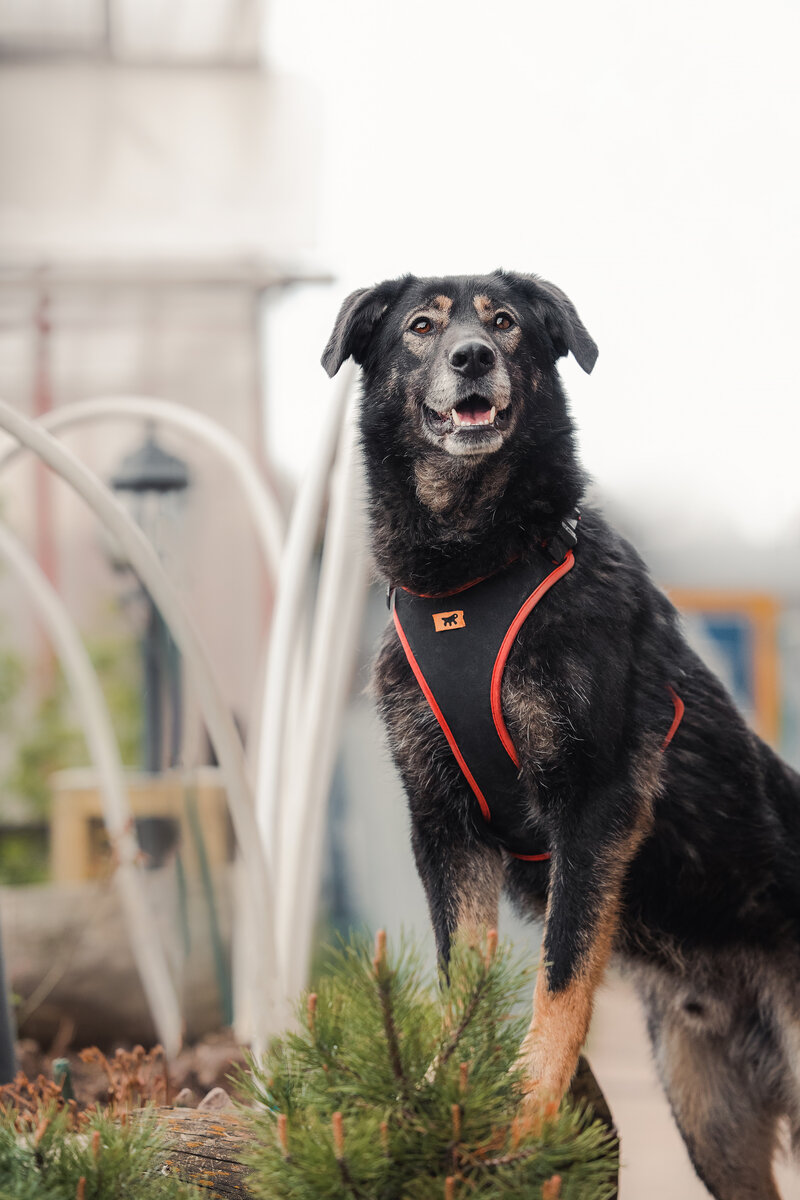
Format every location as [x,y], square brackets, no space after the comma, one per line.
[51,1151]
[56,1156]
[400,1089]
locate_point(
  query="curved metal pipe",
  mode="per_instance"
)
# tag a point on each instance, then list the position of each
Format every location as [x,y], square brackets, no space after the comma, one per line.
[146,942]
[287,623]
[264,507]
[221,727]
[342,593]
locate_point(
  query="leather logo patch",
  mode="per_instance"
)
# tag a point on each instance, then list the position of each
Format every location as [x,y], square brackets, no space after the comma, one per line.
[448,620]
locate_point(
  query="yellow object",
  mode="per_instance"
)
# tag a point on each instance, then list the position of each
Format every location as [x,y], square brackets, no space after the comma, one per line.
[79,845]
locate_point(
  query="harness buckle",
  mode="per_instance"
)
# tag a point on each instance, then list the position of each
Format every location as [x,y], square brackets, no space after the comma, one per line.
[559,546]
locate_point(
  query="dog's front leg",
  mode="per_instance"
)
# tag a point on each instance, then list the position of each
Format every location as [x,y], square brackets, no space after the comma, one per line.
[462,878]
[580,926]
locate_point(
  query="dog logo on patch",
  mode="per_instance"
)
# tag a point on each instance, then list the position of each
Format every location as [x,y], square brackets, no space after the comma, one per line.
[448,620]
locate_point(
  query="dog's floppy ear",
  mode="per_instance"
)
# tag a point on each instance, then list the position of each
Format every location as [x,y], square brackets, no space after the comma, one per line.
[576,336]
[357,321]
[563,323]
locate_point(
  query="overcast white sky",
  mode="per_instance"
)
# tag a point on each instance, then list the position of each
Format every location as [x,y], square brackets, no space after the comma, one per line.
[642,156]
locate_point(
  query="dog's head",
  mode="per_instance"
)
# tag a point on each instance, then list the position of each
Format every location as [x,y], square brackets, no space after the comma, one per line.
[464,361]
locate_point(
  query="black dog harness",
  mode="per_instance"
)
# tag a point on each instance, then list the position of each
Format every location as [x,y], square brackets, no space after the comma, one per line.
[457,644]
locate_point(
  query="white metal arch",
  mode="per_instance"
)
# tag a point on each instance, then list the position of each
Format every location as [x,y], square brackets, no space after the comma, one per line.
[146,942]
[287,625]
[263,504]
[221,727]
[343,587]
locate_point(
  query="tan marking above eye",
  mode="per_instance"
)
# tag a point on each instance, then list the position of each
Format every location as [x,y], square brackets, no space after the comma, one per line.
[443,303]
[482,306]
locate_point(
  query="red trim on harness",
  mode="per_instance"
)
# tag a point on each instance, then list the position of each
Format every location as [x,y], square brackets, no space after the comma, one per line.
[437,712]
[464,587]
[505,649]
[680,709]
[496,686]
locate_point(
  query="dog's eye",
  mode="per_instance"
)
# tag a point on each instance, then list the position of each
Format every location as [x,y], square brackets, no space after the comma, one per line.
[503,321]
[422,325]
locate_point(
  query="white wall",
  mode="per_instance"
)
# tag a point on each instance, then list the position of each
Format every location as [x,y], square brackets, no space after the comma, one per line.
[643,156]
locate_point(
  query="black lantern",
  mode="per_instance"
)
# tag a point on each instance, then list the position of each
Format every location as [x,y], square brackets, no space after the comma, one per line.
[153,484]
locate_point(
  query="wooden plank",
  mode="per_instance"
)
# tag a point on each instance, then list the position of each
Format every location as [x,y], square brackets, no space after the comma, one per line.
[205,1149]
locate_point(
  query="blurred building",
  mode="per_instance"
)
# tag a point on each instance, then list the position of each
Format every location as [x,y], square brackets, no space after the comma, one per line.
[158,185]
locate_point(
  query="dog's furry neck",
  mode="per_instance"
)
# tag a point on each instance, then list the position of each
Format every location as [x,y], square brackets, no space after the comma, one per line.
[439,522]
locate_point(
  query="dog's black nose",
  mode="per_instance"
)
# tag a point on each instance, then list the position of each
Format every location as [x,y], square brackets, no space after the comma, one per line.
[472,359]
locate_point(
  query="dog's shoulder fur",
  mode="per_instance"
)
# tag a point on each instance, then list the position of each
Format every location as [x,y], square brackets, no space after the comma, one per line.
[685,861]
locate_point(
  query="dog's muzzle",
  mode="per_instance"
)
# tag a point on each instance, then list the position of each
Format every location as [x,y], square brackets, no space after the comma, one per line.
[470,425]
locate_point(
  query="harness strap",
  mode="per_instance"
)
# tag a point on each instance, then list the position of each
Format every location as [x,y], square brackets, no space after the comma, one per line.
[680,709]
[505,649]
[458,657]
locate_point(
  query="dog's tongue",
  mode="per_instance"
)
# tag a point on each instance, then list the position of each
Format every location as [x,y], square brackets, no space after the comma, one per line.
[473,411]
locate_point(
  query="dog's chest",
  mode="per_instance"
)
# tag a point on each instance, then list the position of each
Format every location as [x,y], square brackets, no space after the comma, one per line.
[530,709]
[502,803]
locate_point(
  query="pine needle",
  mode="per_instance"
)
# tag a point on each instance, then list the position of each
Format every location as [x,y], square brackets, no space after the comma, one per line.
[398,1087]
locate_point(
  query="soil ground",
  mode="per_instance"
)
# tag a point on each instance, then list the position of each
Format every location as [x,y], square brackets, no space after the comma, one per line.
[200,1067]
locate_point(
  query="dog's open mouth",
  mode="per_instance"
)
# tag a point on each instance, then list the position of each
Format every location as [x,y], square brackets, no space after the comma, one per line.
[472,414]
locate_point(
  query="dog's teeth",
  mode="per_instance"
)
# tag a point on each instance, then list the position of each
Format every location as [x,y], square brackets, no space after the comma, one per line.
[459,420]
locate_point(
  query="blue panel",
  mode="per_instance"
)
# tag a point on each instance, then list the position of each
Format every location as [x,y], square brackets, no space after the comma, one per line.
[732,634]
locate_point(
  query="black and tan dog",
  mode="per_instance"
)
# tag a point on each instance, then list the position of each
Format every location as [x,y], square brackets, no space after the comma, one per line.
[671,843]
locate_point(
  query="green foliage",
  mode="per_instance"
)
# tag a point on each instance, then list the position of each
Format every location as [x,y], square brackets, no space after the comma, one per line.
[118,668]
[421,1075]
[12,675]
[50,740]
[24,857]
[50,743]
[46,1160]
[53,741]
